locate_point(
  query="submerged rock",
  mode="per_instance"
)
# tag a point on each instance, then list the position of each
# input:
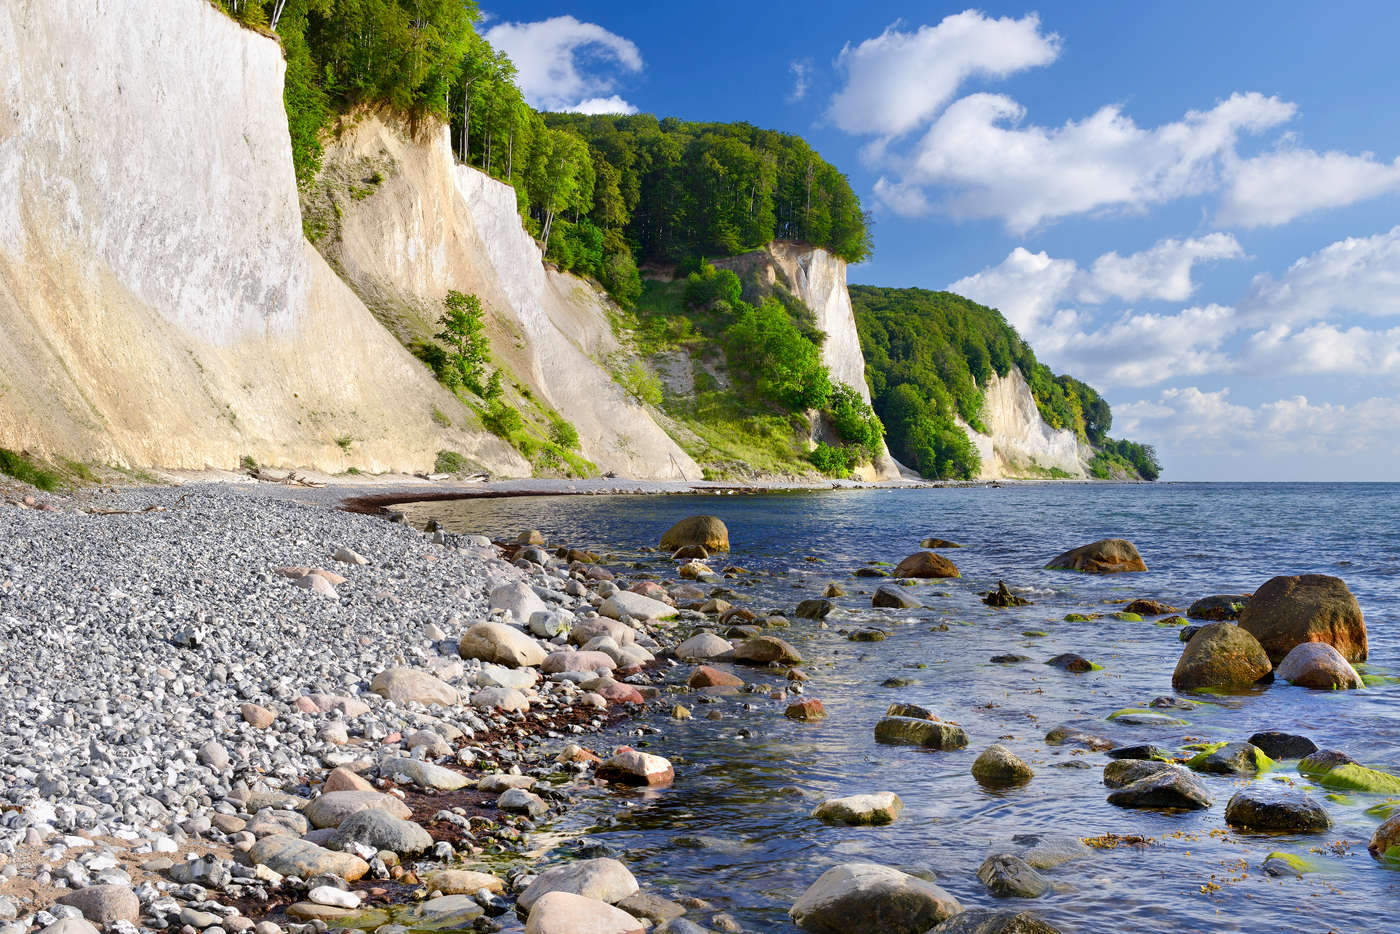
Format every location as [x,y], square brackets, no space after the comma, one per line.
[912,731]
[1171,789]
[880,807]
[999,767]
[894,597]
[1149,608]
[1288,611]
[1272,808]
[858,898]
[1008,876]
[1121,773]
[986,921]
[1068,661]
[1340,772]
[764,650]
[814,609]
[1221,655]
[1107,556]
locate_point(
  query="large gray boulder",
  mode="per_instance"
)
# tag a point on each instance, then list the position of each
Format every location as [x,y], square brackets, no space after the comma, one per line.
[1318,665]
[502,645]
[105,904]
[405,685]
[709,532]
[860,898]
[382,832]
[330,809]
[293,856]
[606,880]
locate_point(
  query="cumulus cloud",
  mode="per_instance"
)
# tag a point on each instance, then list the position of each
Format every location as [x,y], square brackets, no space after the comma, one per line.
[991,167]
[1277,187]
[563,63]
[1358,274]
[1027,287]
[1196,420]
[602,105]
[898,80]
[1138,348]
[1324,348]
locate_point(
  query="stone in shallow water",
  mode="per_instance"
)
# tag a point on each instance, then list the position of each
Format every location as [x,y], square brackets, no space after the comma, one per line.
[1317,665]
[630,767]
[1278,745]
[1231,759]
[846,898]
[893,597]
[1123,772]
[881,807]
[1008,876]
[911,731]
[1266,808]
[1174,789]
[997,766]
[987,921]
[1140,751]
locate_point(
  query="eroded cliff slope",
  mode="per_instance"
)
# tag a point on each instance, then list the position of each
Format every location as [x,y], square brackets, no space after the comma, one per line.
[1018,442]
[159,304]
[429,225]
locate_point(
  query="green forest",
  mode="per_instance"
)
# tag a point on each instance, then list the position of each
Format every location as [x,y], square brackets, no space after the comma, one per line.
[604,194]
[929,356]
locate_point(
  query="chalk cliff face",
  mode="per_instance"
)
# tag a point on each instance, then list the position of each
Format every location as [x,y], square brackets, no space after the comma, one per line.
[432,225]
[158,302]
[1020,443]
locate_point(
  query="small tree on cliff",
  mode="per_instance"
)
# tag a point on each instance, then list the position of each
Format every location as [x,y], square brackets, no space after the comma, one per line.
[464,334]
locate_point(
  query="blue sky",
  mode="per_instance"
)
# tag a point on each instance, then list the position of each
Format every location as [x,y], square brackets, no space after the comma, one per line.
[1191,206]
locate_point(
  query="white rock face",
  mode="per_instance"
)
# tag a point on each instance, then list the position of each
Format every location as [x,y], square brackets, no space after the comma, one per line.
[434,225]
[159,305]
[1019,438]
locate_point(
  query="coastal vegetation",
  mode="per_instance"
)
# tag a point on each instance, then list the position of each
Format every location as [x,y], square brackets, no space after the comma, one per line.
[929,357]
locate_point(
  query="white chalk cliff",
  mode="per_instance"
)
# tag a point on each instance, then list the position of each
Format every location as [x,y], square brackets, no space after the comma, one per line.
[1020,443]
[434,225]
[159,304]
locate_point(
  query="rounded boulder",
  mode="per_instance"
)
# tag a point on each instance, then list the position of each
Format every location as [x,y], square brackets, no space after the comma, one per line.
[1107,556]
[1221,655]
[1288,611]
[709,532]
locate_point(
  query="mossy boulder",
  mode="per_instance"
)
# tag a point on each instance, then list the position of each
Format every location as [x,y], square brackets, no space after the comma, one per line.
[1221,655]
[999,767]
[926,564]
[1108,556]
[1171,789]
[1340,772]
[1288,611]
[1231,759]
[1149,608]
[1126,617]
[1385,842]
[709,532]
[871,810]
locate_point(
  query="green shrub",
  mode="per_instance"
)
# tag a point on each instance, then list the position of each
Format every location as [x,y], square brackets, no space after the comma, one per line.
[709,285]
[834,461]
[644,385]
[26,470]
[344,442]
[440,418]
[563,433]
[779,362]
[450,462]
[501,420]
[855,421]
[246,462]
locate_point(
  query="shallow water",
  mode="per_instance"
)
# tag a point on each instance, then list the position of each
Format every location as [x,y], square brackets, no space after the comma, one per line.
[753,794]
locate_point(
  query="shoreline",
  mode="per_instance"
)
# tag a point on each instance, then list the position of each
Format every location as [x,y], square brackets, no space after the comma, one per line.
[269,727]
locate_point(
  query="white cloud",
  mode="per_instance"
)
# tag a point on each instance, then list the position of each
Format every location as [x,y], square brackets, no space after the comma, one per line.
[1200,422]
[563,63]
[801,70]
[1324,348]
[602,105]
[1273,189]
[1026,176]
[1358,274]
[1027,287]
[1139,349]
[898,80]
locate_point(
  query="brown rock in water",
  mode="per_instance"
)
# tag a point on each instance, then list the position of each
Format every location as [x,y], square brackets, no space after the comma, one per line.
[809,710]
[630,767]
[1288,611]
[1149,608]
[709,532]
[1221,655]
[1003,597]
[761,650]
[1109,556]
[938,543]
[707,677]
[690,552]
[926,564]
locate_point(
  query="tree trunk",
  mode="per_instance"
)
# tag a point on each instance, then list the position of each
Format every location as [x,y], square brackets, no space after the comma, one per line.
[510,157]
[548,225]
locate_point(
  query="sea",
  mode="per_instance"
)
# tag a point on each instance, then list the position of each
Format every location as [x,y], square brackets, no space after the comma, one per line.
[736,829]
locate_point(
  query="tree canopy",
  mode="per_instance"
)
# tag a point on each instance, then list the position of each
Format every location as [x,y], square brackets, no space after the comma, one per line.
[929,357]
